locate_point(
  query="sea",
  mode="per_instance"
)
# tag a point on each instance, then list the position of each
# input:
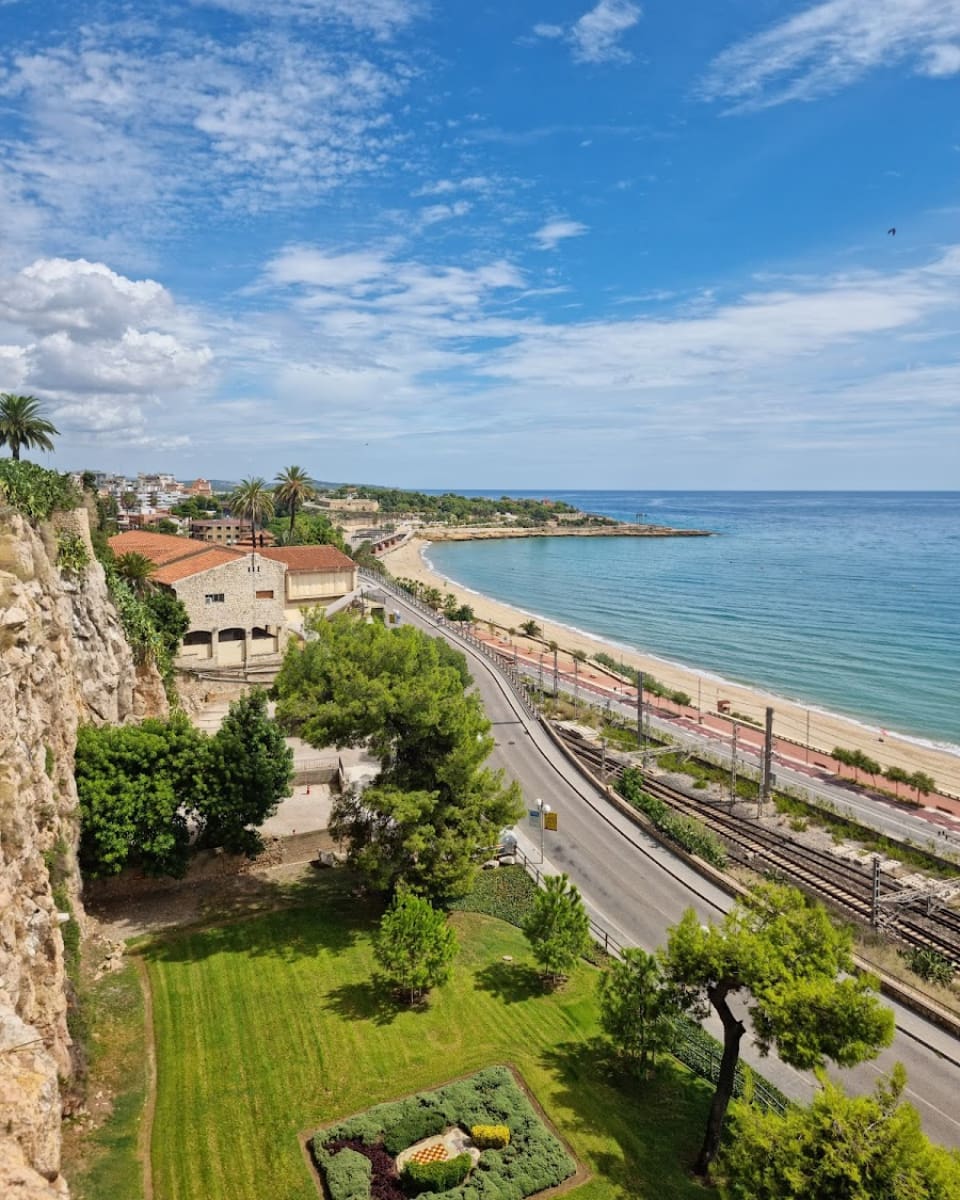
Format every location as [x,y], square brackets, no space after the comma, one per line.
[846,602]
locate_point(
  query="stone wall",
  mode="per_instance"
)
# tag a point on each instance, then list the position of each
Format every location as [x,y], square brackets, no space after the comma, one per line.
[63,659]
[238,582]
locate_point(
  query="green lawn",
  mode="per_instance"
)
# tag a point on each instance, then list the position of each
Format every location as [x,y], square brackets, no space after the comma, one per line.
[271,1026]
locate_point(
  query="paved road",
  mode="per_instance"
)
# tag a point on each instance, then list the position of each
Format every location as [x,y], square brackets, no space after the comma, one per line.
[635,889]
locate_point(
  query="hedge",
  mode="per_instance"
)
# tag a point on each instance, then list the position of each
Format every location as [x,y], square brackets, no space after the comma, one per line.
[533,1161]
[348,1176]
[490,1137]
[506,893]
[436,1176]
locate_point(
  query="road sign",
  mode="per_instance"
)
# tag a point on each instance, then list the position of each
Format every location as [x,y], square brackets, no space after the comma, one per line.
[550,821]
[534,815]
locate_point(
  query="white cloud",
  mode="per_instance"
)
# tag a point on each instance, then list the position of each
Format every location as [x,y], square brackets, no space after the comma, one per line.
[117,136]
[942,60]
[833,44]
[549,236]
[444,212]
[595,37]
[101,347]
[381,17]
[444,187]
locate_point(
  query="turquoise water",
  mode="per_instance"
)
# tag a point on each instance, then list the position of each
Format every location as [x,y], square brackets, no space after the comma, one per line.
[849,602]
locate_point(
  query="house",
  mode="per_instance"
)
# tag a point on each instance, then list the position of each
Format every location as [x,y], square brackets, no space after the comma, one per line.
[228,531]
[315,575]
[234,599]
[242,604]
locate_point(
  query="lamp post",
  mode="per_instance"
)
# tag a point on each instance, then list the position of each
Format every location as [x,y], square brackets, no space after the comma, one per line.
[542,809]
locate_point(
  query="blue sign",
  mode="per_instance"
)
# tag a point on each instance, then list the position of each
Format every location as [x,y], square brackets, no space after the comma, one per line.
[534,814]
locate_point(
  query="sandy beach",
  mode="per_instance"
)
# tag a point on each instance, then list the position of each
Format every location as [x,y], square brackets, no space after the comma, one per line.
[791,720]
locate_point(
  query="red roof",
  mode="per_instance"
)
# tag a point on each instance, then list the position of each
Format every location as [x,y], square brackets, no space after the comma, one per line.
[309,558]
[175,557]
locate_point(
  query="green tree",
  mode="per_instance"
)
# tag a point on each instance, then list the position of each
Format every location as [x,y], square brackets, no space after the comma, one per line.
[794,967]
[165,525]
[21,424]
[557,927]
[923,783]
[838,1148]
[293,488]
[135,569]
[414,946]
[530,628]
[138,785]
[128,501]
[434,809]
[252,502]
[637,1008]
[309,529]
[169,617]
[249,770]
[88,481]
[897,775]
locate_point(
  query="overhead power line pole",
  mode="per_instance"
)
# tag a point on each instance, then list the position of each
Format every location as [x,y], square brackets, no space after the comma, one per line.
[766,772]
[640,741]
[733,765]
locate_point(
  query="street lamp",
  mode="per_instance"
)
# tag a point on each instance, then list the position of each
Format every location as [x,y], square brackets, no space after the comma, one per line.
[542,809]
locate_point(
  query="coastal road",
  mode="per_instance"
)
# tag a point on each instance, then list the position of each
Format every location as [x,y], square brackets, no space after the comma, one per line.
[635,888]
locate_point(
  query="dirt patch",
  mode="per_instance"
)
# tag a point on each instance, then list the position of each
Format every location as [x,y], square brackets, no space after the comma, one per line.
[133,906]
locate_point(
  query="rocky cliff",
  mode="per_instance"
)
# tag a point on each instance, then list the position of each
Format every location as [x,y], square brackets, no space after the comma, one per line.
[63,660]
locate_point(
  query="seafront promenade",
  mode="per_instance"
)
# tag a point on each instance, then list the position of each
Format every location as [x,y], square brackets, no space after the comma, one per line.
[485,533]
[797,725]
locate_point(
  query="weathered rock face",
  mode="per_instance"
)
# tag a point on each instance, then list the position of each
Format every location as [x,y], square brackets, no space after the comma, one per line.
[63,659]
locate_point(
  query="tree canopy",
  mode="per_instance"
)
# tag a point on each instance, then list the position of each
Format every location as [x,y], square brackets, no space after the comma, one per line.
[415,946]
[142,787]
[293,488]
[434,810]
[23,425]
[251,501]
[793,967]
[637,1007]
[839,1147]
[557,927]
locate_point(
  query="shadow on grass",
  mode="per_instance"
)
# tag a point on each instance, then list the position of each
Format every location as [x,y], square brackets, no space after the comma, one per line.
[288,923]
[370,1000]
[510,982]
[657,1122]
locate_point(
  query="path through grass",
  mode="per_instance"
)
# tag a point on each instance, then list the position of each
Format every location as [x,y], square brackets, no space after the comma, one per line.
[272,1025]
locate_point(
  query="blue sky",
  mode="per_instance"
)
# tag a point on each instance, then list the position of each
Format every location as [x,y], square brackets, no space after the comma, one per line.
[505,245]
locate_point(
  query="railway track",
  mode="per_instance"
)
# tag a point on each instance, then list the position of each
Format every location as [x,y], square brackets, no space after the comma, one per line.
[848,886]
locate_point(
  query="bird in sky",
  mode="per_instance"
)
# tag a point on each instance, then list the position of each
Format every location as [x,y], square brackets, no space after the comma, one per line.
[892,231]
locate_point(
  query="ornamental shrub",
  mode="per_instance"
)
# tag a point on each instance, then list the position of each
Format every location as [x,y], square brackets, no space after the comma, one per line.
[435,1176]
[348,1176]
[412,1127]
[490,1137]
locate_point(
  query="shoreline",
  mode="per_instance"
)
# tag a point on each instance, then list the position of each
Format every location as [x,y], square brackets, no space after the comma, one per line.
[489,533]
[792,719]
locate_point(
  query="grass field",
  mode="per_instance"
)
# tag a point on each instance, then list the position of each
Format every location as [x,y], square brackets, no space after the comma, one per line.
[270,1026]
[104,1161]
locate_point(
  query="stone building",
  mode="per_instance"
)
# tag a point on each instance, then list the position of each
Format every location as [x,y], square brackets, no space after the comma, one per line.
[315,575]
[242,605]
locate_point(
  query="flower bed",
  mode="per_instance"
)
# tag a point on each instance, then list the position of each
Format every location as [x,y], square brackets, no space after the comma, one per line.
[532,1161]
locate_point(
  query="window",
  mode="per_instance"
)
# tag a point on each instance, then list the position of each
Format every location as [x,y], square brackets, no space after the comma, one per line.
[265,595]
[214,598]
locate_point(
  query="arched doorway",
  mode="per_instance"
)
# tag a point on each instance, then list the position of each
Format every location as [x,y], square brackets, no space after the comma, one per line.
[231,647]
[198,643]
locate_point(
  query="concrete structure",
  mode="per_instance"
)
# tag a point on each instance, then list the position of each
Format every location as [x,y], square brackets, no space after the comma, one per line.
[242,605]
[199,487]
[315,575]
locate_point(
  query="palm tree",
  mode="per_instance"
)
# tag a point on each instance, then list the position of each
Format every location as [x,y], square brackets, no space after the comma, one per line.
[135,569]
[252,500]
[22,425]
[294,488]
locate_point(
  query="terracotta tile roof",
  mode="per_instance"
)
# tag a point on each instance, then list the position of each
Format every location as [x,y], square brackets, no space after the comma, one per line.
[175,557]
[209,557]
[309,558]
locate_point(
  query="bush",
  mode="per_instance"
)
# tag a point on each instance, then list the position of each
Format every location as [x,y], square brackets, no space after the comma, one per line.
[688,833]
[435,1176]
[72,554]
[490,1137]
[929,965]
[412,1127]
[34,491]
[506,893]
[347,1176]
